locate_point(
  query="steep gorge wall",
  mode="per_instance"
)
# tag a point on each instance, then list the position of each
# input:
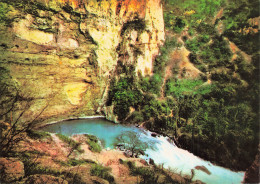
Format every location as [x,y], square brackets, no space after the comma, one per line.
[61,54]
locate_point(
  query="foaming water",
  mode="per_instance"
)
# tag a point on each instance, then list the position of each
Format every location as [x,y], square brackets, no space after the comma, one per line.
[160,150]
[182,161]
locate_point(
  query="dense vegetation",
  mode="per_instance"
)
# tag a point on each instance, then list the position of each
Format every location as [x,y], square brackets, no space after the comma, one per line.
[93,142]
[215,115]
[102,172]
[153,174]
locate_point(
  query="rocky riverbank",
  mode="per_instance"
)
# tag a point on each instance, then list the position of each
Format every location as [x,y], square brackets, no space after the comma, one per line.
[41,157]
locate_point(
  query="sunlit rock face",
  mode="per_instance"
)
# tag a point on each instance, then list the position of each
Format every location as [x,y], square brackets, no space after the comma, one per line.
[113,25]
[62,54]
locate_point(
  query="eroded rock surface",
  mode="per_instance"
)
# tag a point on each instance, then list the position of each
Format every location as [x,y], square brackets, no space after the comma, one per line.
[61,54]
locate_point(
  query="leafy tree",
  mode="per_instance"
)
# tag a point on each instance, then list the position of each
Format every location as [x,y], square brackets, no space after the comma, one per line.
[132,142]
[124,94]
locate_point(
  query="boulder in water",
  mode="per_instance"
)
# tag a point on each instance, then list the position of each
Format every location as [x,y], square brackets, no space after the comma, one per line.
[151,161]
[204,169]
[153,134]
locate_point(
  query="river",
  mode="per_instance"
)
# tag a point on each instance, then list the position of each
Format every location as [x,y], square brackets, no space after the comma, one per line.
[162,150]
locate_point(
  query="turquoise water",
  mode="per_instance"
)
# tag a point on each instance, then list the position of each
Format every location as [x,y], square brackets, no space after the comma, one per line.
[103,129]
[161,150]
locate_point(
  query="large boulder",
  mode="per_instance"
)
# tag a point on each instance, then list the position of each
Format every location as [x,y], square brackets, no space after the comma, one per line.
[43,179]
[11,170]
[204,169]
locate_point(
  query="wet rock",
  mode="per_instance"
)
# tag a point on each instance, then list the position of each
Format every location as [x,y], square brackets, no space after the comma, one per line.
[151,161]
[252,173]
[43,179]
[153,134]
[11,169]
[177,178]
[204,169]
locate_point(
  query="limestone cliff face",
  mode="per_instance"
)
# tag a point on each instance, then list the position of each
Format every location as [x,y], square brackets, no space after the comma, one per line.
[60,54]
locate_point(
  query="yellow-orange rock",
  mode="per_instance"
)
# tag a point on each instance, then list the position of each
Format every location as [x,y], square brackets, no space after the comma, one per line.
[62,56]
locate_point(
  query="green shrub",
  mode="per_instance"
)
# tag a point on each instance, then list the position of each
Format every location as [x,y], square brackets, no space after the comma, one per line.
[94,144]
[124,94]
[162,60]
[202,68]
[37,134]
[31,167]
[193,45]
[131,165]
[205,29]
[92,138]
[204,38]
[191,32]
[179,24]
[74,162]
[147,174]
[4,9]
[102,172]
[216,54]
[178,88]
[137,117]
[66,139]
[73,144]
[155,83]
[193,58]
[95,147]
[137,24]
[144,83]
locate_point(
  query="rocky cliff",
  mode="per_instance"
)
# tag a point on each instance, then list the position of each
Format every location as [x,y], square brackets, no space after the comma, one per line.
[58,55]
